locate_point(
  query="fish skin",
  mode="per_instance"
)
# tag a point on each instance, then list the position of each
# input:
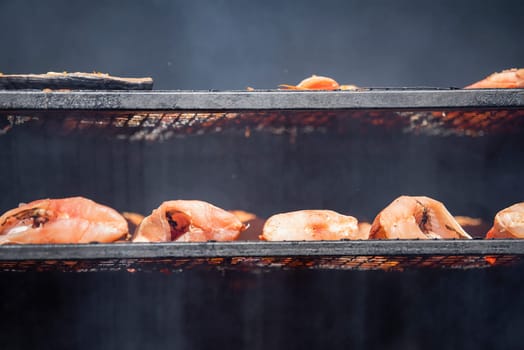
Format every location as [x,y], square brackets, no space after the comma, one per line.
[64,220]
[204,222]
[416,217]
[509,79]
[307,225]
[508,223]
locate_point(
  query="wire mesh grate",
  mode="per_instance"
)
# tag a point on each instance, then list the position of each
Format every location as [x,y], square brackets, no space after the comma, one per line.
[242,263]
[156,126]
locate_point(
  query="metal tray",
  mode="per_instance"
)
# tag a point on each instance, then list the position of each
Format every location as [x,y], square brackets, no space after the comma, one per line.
[256,256]
[160,115]
[371,98]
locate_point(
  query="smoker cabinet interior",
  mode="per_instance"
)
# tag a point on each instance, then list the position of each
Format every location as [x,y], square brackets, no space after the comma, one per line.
[265,152]
[354,159]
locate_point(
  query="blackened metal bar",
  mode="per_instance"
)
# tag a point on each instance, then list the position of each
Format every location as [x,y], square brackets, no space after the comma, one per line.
[261,249]
[256,100]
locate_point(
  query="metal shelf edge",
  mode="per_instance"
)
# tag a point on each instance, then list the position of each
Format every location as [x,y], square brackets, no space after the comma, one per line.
[257,100]
[260,249]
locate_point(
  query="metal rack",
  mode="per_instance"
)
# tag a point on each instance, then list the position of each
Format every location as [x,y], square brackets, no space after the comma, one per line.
[360,255]
[376,98]
[159,115]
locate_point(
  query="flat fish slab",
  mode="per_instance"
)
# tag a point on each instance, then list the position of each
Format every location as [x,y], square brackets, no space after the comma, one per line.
[73,81]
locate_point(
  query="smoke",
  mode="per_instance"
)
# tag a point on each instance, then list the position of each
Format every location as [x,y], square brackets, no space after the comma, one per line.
[231,45]
[234,44]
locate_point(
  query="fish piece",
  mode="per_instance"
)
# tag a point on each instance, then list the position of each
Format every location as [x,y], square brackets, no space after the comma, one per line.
[310,225]
[508,223]
[66,220]
[476,227]
[509,79]
[188,221]
[364,228]
[316,82]
[243,216]
[467,221]
[133,220]
[253,224]
[416,218]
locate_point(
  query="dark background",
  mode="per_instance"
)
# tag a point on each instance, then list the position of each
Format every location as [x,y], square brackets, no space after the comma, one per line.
[234,44]
[231,45]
